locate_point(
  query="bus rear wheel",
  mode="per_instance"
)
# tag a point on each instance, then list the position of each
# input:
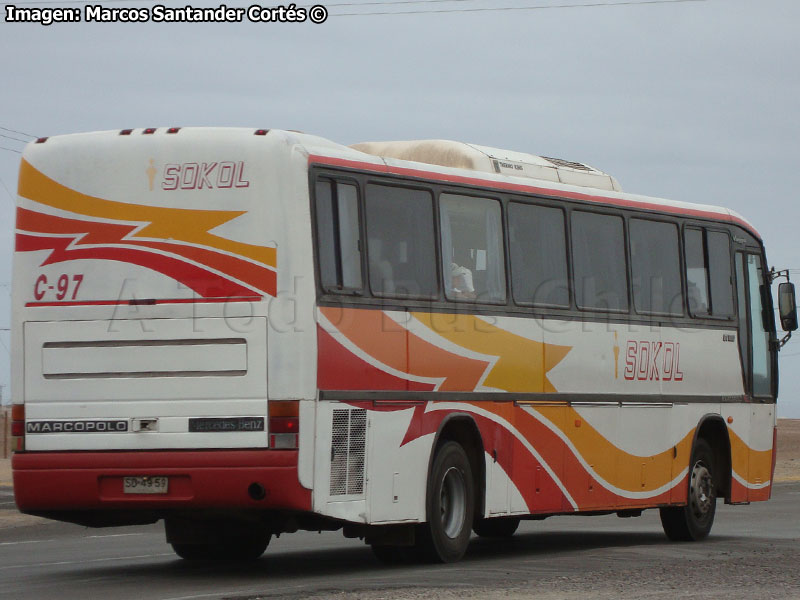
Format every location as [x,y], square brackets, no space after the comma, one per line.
[450,505]
[242,549]
[693,522]
[496,528]
[223,539]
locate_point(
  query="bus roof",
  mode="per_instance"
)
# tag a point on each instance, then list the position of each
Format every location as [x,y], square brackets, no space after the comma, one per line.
[492,160]
[472,164]
[442,160]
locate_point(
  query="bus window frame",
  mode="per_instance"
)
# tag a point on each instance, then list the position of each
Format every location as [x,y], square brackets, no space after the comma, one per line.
[511,307]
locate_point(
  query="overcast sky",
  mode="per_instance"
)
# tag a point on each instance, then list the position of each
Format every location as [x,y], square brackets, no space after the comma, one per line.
[692,100]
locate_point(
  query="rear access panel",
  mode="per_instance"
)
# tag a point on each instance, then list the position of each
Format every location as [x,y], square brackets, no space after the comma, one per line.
[133,384]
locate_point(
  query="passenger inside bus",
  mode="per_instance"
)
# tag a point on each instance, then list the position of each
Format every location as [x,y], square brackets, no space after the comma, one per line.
[380,268]
[461,285]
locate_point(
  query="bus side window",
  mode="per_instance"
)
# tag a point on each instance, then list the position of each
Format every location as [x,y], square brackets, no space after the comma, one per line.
[473,262]
[719,270]
[400,242]
[696,273]
[338,236]
[708,273]
[598,251]
[655,264]
[538,245]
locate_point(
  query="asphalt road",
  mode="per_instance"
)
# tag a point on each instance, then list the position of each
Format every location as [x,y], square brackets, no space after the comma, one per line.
[754,552]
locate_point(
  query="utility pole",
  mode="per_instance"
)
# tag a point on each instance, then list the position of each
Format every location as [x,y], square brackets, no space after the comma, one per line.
[2,385]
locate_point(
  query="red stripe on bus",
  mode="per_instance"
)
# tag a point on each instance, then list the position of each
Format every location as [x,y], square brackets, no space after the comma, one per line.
[517,187]
[145,302]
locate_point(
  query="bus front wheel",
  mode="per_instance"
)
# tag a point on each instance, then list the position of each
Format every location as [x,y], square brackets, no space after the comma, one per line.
[693,522]
[450,506]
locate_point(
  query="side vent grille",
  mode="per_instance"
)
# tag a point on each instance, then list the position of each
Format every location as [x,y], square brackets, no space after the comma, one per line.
[348,445]
[560,162]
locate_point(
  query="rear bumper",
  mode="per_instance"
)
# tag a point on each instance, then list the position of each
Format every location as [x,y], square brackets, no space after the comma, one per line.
[59,481]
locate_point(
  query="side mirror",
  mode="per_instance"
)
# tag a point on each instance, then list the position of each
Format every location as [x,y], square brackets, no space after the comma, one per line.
[787,306]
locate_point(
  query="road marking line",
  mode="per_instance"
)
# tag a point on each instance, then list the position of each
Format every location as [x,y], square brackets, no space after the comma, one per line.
[82,562]
[25,542]
[111,535]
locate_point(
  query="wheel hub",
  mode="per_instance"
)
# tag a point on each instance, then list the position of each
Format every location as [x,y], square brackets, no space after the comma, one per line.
[701,490]
[453,502]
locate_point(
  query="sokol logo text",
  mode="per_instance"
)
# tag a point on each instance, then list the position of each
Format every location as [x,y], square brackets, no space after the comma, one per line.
[200,176]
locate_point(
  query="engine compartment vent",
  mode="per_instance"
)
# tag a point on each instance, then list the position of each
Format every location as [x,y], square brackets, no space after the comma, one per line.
[348,449]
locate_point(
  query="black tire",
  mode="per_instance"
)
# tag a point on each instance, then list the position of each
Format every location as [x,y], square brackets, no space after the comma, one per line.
[250,548]
[693,522]
[496,528]
[450,506]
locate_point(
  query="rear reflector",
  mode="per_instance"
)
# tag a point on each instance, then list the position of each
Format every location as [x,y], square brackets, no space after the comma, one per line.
[173,130]
[261,132]
[41,140]
[283,441]
[126,132]
[149,130]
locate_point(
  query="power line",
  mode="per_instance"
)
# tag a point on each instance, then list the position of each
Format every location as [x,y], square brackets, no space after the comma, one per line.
[10,197]
[10,149]
[337,4]
[13,138]
[405,2]
[512,8]
[327,5]
[15,131]
[75,1]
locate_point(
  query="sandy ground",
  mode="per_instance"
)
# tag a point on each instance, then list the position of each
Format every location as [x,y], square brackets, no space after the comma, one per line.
[787,468]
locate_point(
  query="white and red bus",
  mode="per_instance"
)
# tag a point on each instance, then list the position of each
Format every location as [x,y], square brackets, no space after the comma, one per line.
[250,332]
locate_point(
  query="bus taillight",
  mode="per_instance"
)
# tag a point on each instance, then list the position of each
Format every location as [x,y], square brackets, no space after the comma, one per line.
[18,427]
[284,424]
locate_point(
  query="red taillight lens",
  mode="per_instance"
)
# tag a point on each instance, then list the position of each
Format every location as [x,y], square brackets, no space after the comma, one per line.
[284,424]
[18,427]
[149,131]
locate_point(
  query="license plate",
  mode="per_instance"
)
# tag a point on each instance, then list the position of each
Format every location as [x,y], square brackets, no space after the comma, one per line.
[145,485]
